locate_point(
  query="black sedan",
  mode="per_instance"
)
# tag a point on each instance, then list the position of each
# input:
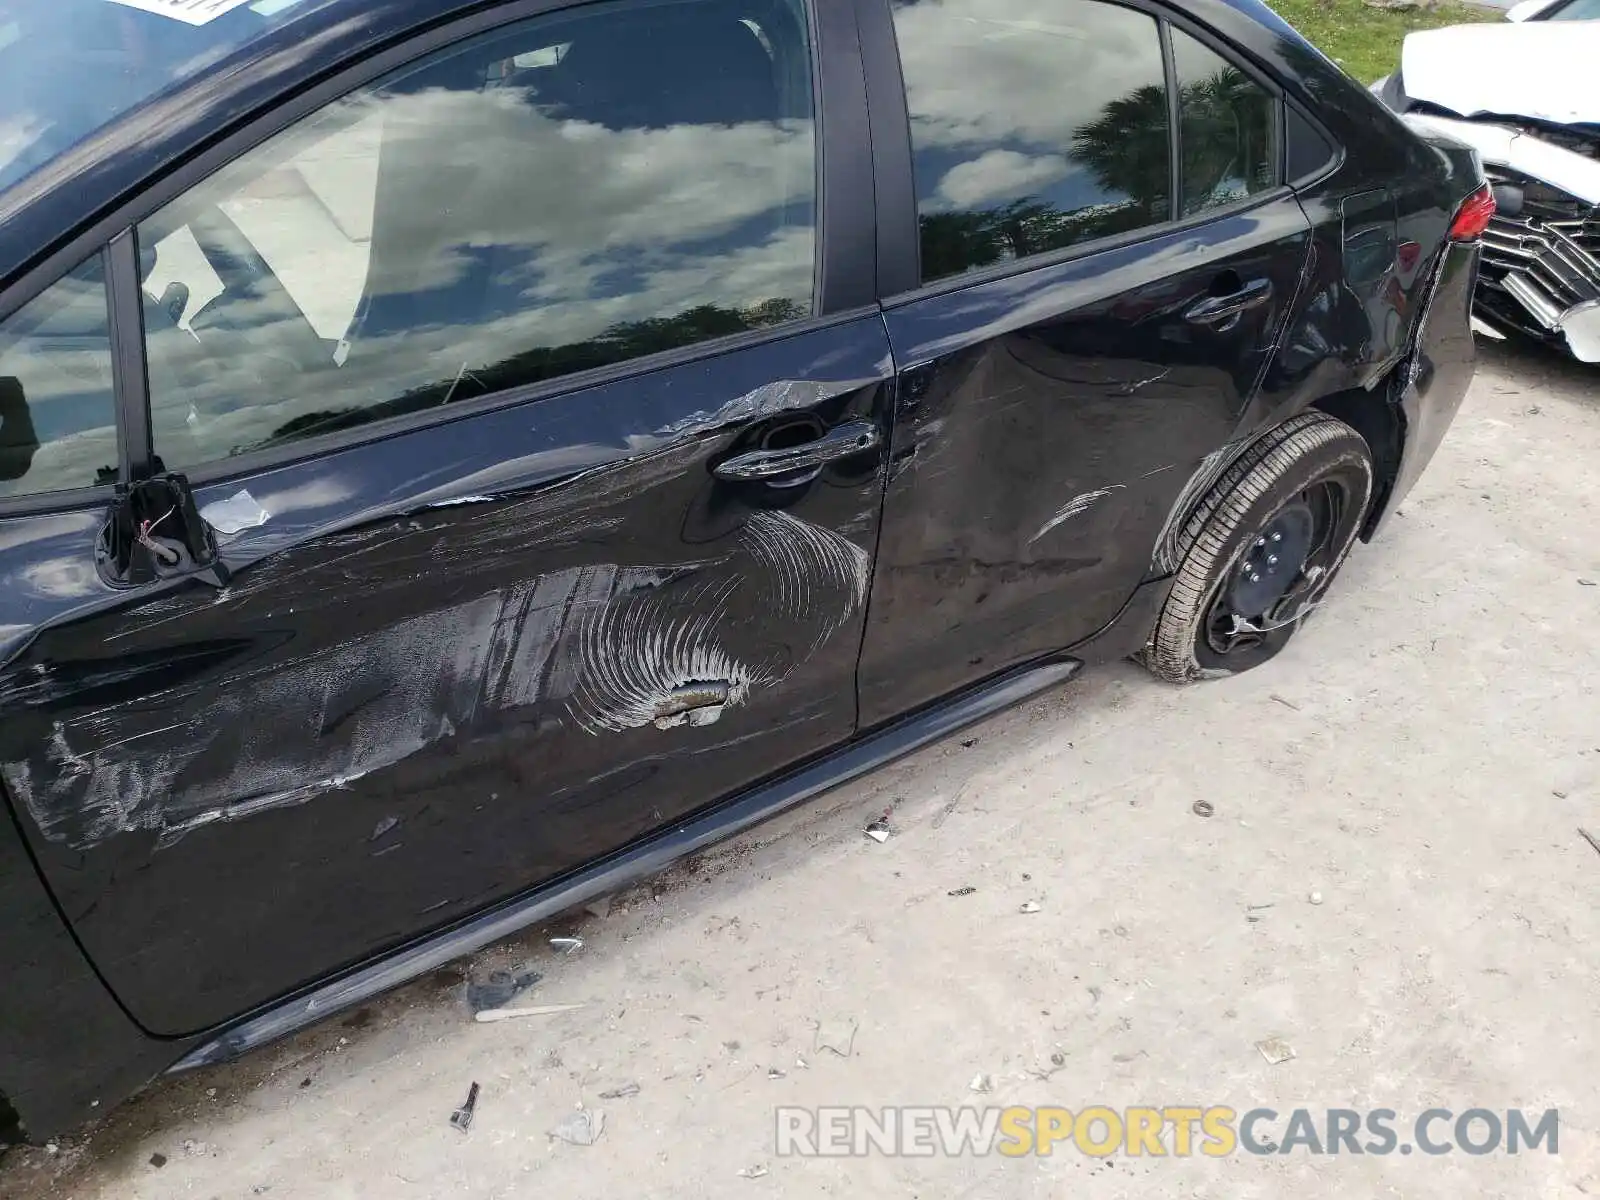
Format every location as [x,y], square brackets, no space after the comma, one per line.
[458,457]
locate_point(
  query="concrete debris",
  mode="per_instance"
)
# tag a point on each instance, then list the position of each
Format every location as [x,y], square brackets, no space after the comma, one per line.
[838,1036]
[1275,1050]
[1315,897]
[1202,808]
[982,1084]
[621,1093]
[566,945]
[581,1128]
[755,1172]
[1029,906]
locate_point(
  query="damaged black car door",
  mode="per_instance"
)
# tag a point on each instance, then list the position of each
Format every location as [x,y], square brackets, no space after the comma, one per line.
[507,498]
[1105,255]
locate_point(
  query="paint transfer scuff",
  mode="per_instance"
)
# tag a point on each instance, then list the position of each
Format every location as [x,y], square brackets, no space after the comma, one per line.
[1075,507]
[605,647]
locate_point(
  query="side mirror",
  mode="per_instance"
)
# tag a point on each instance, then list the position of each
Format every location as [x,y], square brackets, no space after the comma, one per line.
[153,531]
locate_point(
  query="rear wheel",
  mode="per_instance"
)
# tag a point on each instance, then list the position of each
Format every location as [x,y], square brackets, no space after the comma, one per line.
[1261,550]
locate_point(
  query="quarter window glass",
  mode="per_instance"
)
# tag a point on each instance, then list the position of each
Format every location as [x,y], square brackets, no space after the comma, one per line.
[1227,128]
[1578,10]
[562,195]
[58,426]
[1035,125]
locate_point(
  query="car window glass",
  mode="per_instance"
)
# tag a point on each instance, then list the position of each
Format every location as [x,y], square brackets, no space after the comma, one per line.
[1227,128]
[68,68]
[559,195]
[58,425]
[1035,125]
[1577,10]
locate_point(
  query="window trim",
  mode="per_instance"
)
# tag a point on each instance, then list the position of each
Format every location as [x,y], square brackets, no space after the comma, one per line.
[1271,87]
[1328,168]
[838,295]
[256,462]
[885,71]
[129,383]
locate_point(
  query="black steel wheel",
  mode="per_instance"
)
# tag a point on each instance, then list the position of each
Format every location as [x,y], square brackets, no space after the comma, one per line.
[1261,550]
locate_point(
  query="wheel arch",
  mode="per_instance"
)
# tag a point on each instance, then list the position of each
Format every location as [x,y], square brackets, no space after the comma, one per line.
[1381,424]
[1370,412]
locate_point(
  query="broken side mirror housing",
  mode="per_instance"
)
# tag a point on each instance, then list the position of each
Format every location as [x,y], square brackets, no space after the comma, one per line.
[154,531]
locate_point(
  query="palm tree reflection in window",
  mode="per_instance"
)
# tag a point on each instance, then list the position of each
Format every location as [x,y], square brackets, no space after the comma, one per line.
[1226,125]
[1225,121]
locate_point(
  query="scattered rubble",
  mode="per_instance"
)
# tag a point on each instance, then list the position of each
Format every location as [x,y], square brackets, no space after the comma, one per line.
[581,1128]
[838,1036]
[1275,1050]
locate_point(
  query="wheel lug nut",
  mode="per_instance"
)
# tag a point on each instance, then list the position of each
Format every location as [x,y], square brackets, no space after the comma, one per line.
[1272,558]
[1277,537]
[1261,541]
[1255,579]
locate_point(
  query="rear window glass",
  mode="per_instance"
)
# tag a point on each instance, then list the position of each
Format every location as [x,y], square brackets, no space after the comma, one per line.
[1035,125]
[68,68]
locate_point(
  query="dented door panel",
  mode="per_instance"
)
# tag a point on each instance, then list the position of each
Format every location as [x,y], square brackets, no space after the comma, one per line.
[448,665]
[1048,422]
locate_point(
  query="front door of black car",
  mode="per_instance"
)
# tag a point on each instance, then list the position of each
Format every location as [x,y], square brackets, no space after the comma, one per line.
[1095,302]
[545,506]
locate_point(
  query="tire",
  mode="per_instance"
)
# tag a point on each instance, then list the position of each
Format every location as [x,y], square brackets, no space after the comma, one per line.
[1311,463]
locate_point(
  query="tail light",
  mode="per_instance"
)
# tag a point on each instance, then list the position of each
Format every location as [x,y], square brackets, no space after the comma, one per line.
[1472,218]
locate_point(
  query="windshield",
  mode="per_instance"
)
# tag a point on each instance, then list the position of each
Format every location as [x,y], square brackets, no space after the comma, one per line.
[1575,10]
[70,67]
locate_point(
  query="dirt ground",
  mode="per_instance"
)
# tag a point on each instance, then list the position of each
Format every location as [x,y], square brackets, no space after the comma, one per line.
[1392,882]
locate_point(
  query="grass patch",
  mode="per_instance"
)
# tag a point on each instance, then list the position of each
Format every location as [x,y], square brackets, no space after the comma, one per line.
[1366,41]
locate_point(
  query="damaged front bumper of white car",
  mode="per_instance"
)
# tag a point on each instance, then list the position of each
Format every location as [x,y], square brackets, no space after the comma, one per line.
[1541,254]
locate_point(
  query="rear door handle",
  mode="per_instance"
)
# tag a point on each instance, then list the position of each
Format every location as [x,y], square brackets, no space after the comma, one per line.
[1214,310]
[842,441]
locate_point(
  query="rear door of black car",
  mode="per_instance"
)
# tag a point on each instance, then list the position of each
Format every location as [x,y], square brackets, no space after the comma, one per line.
[488,378]
[1080,307]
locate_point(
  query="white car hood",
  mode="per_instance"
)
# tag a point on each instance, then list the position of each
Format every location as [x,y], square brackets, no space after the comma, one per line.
[1541,69]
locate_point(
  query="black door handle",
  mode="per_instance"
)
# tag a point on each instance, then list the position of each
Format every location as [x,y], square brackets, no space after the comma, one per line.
[853,437]
[1214,310]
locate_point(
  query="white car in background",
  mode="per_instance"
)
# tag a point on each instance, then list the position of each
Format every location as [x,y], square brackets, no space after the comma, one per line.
[1524,94]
